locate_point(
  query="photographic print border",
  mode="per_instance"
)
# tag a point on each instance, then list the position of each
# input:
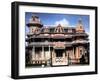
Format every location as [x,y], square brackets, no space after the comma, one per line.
[15,39]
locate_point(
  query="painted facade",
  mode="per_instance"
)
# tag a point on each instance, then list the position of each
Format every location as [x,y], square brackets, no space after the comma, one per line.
[57,45]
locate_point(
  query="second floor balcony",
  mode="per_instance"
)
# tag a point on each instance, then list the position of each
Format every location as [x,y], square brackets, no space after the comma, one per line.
[57,43]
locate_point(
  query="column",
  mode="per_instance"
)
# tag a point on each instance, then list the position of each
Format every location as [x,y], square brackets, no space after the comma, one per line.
[80,51]
[84,50]
[53,57]
[42,52]
[76,52]
[73,53]
[74,56]
[49,50]
[33,54]
[48,56]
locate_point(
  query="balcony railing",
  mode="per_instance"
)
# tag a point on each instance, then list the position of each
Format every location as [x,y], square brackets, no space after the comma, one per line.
[80,41]
[53,43]
[47,43]
[40,43]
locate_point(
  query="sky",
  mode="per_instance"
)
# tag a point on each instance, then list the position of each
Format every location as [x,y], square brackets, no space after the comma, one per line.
[68,20]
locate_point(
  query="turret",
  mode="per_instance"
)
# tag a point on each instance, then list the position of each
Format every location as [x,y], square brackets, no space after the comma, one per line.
[80,27]
[34,24]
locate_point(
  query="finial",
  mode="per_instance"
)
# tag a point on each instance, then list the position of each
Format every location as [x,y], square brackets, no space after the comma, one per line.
[34,15]
[80,21]
[59,25]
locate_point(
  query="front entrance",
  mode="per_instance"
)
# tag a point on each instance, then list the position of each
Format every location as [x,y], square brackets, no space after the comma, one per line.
[59,53]
[59,57]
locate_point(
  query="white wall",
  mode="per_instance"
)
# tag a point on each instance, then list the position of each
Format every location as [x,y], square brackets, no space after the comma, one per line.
[5,39]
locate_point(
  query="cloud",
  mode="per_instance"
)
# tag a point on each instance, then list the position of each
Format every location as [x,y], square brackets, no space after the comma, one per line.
[62,22]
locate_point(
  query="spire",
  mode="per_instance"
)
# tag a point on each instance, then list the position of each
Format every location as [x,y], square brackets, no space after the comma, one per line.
[59,25]
[80,21]
[80,27]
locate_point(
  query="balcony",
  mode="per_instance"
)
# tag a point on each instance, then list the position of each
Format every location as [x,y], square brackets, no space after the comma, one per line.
[47,43]
[80,41]
[57,43]
[40,43]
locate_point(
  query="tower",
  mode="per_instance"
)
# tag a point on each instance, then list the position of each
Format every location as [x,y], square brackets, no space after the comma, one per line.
[34,24]
[34,27]
[81,40]
[80,27]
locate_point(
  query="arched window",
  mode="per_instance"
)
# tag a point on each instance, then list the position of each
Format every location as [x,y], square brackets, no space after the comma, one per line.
[80,52]
[37,31]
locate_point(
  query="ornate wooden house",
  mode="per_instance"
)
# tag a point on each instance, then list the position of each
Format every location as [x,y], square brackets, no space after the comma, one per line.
[56,46]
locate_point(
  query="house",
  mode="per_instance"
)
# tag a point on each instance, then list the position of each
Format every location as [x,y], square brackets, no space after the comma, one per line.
[56,45]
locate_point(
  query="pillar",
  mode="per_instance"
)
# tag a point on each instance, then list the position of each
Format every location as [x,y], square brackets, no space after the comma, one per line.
[42,52]
[83,50]
[76,52]
[33,54]
[53,56]
[49,50]
[73,53]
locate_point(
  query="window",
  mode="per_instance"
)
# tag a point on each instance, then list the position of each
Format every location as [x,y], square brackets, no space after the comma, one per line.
[80,52]
[37,30]
[59,53]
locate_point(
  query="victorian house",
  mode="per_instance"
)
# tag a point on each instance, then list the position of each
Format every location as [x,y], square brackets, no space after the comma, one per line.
[56,46]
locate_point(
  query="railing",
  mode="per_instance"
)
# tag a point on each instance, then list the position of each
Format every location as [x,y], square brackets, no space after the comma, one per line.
[73,61]
[53,43]
[47,43]
[40,43]
[80,41]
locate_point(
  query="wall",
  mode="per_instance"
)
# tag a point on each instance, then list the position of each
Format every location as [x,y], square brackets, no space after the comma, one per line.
[5,40]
